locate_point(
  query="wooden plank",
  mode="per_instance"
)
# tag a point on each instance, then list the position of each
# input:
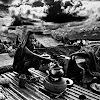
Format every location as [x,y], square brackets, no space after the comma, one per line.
[41,84]
[15,89]
[34,87]
[89,95]
[68,95]
[12,95]
[75,90]
[86,91]
[29,92]
[33,92]
[77,93]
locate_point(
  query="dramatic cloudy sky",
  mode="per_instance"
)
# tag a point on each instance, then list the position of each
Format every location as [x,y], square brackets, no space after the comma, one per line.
[9,1]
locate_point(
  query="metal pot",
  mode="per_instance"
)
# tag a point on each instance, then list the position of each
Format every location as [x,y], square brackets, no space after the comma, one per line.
[55,86]
[56,72]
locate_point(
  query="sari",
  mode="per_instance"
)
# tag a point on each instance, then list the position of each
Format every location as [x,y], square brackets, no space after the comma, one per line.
[20,58]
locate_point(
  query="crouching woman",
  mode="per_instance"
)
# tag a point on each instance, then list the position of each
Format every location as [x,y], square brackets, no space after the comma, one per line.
[26,57]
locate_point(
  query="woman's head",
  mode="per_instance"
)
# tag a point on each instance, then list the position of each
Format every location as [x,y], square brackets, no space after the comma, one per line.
[30,38]
[27,37]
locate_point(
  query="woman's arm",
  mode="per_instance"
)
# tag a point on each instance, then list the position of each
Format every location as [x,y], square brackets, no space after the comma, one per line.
[29,52]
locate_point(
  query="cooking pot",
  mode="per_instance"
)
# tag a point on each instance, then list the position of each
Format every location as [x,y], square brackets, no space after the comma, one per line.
[57,86]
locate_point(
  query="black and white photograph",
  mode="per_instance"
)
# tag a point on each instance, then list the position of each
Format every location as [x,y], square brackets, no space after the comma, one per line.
[49,49]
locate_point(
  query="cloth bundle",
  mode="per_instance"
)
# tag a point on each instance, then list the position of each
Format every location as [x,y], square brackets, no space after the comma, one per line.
[91,54]
[4,81]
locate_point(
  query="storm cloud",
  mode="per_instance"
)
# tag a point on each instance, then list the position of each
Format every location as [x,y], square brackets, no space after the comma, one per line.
[8,1]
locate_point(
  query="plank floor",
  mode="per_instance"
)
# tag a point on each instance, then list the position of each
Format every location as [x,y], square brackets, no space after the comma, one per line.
[36,91]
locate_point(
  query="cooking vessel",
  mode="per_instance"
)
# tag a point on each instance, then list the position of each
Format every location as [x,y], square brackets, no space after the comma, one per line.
[57,86]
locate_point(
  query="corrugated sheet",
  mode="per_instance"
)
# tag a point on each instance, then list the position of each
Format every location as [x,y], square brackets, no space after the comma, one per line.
[34,92]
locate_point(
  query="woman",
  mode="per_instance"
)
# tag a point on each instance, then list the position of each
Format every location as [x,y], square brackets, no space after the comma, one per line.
[26,55]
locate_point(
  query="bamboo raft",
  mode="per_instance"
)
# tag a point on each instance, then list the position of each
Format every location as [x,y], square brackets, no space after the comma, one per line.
[36,91]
